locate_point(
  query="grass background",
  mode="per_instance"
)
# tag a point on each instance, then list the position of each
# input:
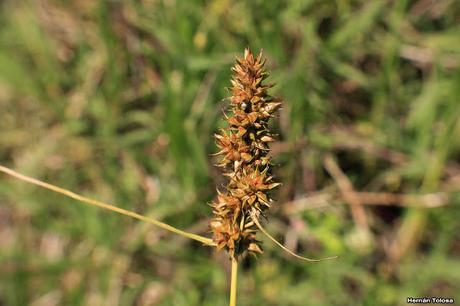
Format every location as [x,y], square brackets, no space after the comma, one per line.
[118,100]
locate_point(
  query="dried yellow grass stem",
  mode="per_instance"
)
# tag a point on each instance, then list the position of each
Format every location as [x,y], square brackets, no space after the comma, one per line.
[106,206]
[264,231]
[234,282]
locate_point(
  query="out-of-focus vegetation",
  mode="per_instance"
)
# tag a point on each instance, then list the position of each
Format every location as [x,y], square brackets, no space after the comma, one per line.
[118,100]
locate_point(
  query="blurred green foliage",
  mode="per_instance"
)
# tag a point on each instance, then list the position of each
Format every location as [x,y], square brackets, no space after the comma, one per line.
[118,100]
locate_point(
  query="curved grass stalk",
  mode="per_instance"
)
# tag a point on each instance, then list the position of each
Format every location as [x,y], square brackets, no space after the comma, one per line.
[73,195]
[264,231]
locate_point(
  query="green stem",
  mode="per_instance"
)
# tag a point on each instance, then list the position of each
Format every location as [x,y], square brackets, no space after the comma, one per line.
[103,205]
[234,282]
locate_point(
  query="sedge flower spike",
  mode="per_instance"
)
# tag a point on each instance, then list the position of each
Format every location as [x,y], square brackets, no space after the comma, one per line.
[244,156]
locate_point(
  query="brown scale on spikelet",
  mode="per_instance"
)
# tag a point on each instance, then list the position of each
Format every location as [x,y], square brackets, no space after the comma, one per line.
[244,155]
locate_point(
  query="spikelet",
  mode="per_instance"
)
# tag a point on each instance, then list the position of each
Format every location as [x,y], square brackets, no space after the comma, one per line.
[244,156]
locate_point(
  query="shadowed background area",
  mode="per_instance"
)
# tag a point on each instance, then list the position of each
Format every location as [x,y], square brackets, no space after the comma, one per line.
[118,100]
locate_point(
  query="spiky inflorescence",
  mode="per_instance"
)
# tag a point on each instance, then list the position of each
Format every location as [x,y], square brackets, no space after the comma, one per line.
[245,157]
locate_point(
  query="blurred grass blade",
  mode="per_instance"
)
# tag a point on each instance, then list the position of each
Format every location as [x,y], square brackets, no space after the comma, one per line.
[103,205]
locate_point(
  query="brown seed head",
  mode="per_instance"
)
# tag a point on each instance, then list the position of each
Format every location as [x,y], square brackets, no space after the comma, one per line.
[244,156]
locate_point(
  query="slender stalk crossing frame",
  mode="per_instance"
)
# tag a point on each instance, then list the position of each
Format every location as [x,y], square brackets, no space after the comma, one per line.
[75,196]
[234,282]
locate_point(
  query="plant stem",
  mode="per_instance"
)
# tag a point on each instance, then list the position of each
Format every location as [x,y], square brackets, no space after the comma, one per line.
[234,282]
[264,231]
[103,205]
